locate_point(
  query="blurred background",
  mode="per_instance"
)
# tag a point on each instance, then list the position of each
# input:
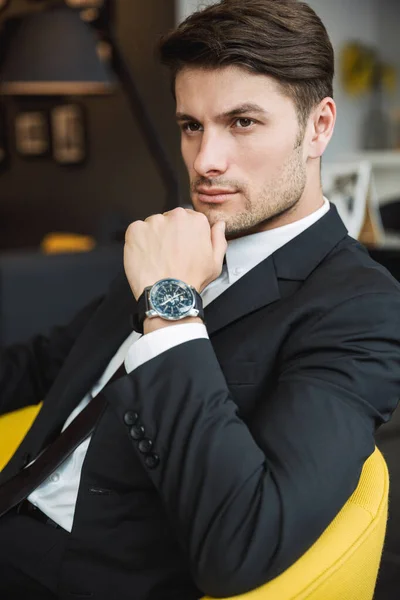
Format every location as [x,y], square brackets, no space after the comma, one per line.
[88,143]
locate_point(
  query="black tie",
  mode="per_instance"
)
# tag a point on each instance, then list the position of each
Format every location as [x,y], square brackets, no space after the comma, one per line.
[19,487]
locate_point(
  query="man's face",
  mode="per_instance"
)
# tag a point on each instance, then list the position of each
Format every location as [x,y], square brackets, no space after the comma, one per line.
[242,146]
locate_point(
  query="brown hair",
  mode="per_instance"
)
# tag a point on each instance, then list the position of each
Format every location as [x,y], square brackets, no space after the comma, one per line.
[284,39]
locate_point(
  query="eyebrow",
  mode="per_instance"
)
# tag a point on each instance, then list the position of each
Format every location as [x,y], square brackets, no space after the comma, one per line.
[248,107]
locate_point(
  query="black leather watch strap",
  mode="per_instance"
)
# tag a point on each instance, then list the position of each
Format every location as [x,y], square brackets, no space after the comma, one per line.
[142,306]
[198,304]
[139,316]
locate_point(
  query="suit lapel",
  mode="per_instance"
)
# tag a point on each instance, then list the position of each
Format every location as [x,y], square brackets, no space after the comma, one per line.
[258,288]
[297,259]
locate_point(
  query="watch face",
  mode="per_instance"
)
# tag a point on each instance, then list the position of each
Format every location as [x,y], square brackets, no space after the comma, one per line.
[172,298]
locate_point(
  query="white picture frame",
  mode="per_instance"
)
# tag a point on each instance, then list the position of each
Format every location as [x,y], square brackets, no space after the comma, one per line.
[349,187]
[362,217]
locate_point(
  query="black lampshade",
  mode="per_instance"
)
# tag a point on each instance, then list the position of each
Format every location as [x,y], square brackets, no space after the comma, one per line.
[53,52]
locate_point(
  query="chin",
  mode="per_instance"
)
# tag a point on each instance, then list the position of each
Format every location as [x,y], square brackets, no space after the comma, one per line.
[208,212]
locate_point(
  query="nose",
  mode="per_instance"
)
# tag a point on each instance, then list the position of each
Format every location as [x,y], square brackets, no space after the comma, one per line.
[211,159]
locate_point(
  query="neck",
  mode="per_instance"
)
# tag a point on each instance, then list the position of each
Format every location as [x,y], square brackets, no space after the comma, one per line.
[303,208]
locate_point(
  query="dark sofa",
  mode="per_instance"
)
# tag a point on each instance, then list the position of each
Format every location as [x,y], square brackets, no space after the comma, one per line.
[388,441]
[39,291]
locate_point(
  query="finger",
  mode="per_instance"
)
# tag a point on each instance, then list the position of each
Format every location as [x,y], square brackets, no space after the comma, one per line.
[219,242]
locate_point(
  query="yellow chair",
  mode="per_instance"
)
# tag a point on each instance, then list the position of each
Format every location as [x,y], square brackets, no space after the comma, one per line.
[342,564]
[13,427]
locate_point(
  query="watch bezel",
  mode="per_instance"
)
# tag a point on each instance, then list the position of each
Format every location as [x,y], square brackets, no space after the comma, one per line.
[153,290]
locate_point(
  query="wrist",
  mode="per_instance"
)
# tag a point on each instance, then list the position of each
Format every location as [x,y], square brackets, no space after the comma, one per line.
[155,323]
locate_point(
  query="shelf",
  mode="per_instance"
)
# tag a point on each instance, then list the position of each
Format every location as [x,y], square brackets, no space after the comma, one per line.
[379,159]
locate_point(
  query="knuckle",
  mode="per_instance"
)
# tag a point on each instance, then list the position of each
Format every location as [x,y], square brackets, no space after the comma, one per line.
[154,218]
[133,228]
[179,211]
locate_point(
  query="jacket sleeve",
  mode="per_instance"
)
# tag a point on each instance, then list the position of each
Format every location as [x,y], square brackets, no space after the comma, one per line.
[28,370]
[247,499]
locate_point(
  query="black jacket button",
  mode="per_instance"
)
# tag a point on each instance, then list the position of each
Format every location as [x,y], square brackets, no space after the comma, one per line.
[137,432]
[130,417]
[145,446]
[152,461]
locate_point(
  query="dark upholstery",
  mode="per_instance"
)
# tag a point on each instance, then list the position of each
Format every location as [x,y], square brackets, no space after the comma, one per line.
[388,584]
[38,291]
[390,215]
[388,441]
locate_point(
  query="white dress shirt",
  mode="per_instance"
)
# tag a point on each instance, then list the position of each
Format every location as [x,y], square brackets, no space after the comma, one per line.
[56,496]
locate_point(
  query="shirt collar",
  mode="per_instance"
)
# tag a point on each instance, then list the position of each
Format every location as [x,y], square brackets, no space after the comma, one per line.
[248,251]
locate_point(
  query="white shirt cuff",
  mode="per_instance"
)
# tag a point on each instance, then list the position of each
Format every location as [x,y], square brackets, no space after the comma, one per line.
[152,344]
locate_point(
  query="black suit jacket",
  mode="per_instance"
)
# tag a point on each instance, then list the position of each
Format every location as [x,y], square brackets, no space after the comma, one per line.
[260,433]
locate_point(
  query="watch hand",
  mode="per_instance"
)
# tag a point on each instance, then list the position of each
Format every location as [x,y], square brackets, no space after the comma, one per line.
[169,299]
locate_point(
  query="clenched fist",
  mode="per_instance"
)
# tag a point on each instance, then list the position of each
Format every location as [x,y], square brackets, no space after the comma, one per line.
[179,244]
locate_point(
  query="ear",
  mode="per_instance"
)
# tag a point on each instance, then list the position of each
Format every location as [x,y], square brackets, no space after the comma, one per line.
[323,121]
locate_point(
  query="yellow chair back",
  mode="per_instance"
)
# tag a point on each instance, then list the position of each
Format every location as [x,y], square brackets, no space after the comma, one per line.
[13,427]
[343,563]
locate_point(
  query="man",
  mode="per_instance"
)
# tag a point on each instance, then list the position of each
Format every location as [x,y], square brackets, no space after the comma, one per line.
[232,439]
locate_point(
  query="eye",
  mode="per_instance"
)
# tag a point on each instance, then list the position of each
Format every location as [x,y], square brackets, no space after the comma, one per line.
[244,123]
[191,127]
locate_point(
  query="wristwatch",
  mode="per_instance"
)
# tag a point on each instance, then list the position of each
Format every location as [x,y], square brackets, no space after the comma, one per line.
[169,299]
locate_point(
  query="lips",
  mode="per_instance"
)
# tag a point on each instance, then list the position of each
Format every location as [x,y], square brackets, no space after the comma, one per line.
[214,196]
[214,192]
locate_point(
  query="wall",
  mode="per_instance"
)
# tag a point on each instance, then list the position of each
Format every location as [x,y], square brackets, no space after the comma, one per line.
[185,7]
[344,20]
[366,20]
[388,35]
[120,175]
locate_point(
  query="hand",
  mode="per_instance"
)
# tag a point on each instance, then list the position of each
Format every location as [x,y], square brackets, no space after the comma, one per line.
[178,244]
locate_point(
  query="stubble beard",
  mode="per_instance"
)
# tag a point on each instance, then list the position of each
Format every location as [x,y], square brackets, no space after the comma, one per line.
[280,197]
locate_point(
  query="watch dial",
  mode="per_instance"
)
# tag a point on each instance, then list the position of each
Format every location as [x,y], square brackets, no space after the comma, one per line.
[172,298]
